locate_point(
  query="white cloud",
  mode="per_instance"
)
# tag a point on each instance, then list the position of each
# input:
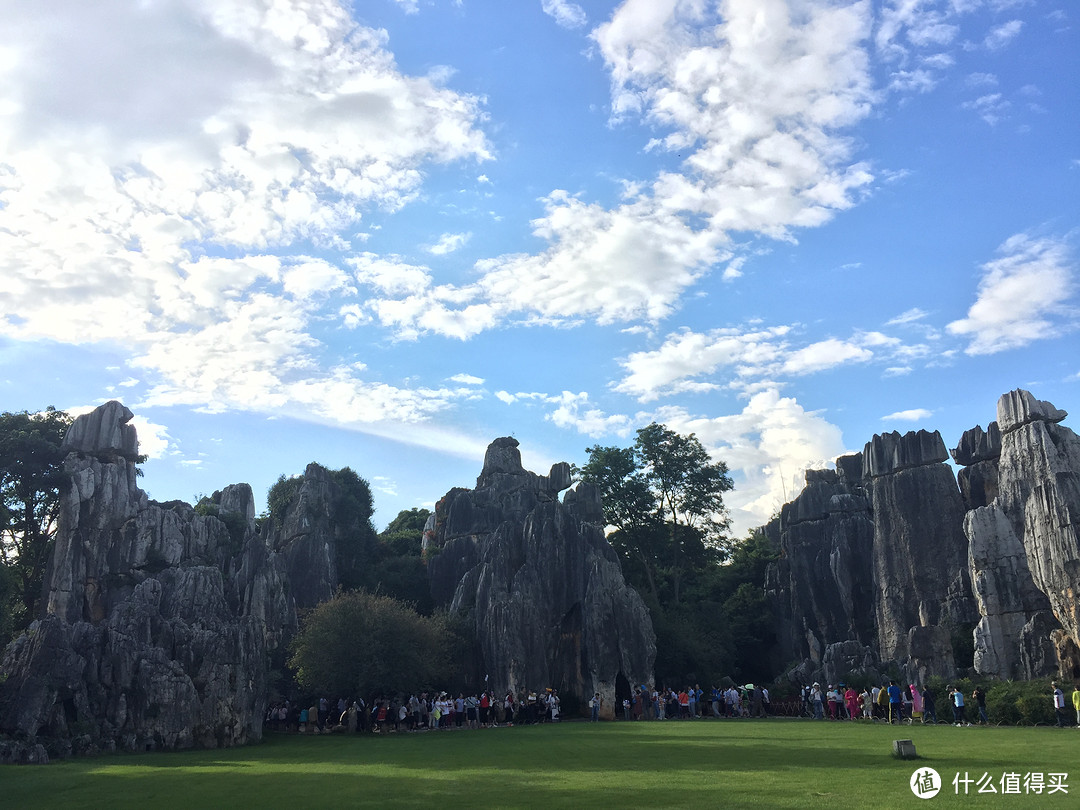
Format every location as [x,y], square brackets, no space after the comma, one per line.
[911,415]
[756,97]
[913,81]
[161,165]
[574,411]
[687,355]
[748,360]
[390,274]
[825,354]
[565,13]
[767,446]
[909,316]
[981,80]
[1003,34]
[1022,297]
[448,243]
[154,439]
[991,108]
[409,6]
[467,379]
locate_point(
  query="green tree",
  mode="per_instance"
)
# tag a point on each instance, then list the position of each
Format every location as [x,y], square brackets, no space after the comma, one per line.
[665,498]
[353,529]
[361,643]
[31,477]
[397,568]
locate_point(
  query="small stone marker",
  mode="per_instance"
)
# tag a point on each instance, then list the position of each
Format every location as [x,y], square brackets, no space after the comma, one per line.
[905,749]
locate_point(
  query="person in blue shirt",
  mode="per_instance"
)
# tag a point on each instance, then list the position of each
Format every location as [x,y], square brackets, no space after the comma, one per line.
[894,702]
[958,706]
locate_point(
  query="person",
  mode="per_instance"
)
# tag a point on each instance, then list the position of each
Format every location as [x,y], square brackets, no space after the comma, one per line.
[626,709]
[895,715]
[815,698]
[594,704]
[834,701]
[958,705]
[867,703]
[1059,705]
[1076,702]
[916,703]
[929,712]
[979,696]
[851,697]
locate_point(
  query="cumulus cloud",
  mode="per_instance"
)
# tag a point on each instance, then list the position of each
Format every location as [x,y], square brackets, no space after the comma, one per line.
[1023,296]
[687,355]
[767,446]
[757,98]
[825,354]
[163,163]
[577,412]
[748,360]
[565,13]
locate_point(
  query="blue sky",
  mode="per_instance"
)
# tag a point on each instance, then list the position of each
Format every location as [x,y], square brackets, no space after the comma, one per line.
[383,234]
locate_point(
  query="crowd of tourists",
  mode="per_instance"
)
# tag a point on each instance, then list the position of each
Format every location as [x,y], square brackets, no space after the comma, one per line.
[417,712]
[690,703]
[890,702]
[893,703]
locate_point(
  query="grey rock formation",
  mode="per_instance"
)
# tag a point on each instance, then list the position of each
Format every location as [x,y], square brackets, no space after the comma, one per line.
[873,564]
[822,585]
[104,430]
[1037,510]
[920,554]
[978,454]
[541,582]
[158,618]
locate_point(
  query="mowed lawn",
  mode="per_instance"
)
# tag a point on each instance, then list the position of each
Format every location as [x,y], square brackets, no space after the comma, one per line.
[705,763]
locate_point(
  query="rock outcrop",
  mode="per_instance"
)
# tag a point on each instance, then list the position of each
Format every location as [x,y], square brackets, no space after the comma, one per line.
[158,617]
[994,553]
[543,586]
[873,564]
[1026,548]
[920,554]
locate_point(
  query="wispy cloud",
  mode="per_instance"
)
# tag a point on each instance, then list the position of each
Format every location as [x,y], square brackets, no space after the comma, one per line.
[911,415]
[1002,35]
[1023,296]
[448,243]
[565,13]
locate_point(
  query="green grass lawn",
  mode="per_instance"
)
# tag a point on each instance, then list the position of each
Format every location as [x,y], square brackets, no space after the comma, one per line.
[773,763]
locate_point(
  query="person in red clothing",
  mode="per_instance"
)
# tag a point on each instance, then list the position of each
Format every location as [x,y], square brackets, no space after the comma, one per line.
[684,705]
[851,697]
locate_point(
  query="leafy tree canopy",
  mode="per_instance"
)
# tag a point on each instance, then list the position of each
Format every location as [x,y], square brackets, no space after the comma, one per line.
[665,498]
[31,477]
[361,643]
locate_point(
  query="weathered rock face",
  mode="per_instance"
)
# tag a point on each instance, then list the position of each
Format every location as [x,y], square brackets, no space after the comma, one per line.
[920,555]
[1001,557]
[823,580]
[1028,545]
[157,620]
[873,564]
[978,454]
[545,588]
